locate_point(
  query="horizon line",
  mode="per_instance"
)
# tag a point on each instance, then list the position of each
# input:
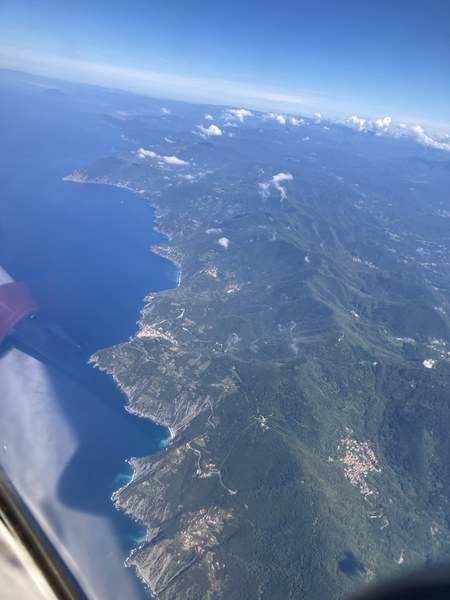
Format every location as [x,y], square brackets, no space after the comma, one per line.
[197,90]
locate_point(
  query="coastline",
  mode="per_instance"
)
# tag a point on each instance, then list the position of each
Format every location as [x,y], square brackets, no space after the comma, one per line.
[176,415]
[168,254]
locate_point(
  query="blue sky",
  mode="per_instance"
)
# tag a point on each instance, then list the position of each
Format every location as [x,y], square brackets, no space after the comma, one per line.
[339,57]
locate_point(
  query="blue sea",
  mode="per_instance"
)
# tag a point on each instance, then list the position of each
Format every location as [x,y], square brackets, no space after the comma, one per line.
[86,250]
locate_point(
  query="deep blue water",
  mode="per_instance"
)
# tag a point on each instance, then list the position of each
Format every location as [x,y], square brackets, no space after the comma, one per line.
[85,251]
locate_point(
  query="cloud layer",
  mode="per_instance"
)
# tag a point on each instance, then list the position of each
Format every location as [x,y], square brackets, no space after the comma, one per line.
[386,126]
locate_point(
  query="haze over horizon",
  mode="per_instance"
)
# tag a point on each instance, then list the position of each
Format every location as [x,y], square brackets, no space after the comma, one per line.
[372,60]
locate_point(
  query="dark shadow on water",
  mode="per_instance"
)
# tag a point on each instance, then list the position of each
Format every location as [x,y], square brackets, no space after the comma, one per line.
[94,408]
[350,566]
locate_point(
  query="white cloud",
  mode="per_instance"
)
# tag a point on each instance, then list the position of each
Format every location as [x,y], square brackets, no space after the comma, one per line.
[282,177]
[281,119]
[380,125]
[275,182]
[238,114]
[296,122]
[359,122]
[429,363]
[165,111]
[306,139]
[192,177]
[209,117]
[427,140]
[174,160]
[224,242]
[213,230]
[169,160]
[212,130]
[318,116]
[383,123]
[146,153]
[417,129]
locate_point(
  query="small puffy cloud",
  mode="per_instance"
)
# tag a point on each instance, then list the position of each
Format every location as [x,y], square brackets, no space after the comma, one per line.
[358,122]
[165,111]
[427,140]
[224,242]
[275,182]
[306,139]
[191,177]
[417,129]
[296,122]
[238,114]
[281,119]
[383,123]
[380,125]
[429,363]
[282,177]
[318,116]
[213,130]
[146,153]
[210,131]
[169,160]
[174,160]
[209,117]
[276,179]
[212,230]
